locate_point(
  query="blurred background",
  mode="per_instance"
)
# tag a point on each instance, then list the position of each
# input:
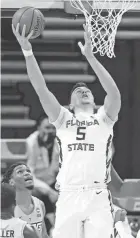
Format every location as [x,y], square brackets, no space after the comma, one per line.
[63,65]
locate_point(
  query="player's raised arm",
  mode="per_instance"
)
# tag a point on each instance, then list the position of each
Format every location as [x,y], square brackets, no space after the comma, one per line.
[49,102]
[112,102]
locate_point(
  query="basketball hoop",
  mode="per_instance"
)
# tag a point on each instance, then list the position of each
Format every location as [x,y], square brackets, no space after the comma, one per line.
[103,25]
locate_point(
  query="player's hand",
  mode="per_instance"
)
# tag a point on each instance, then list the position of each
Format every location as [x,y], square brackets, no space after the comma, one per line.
[120,215]
[23,41]
[86,49]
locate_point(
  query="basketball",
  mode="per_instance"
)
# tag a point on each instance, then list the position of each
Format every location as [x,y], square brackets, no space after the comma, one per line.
[32,18]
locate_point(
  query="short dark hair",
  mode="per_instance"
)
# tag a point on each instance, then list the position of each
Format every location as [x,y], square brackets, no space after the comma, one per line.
[78,85]
[7,175]
[41,119]
[8,196]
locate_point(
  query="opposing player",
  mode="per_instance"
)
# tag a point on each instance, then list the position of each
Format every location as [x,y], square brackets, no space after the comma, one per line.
[84,206]
[28,208]
[9,225]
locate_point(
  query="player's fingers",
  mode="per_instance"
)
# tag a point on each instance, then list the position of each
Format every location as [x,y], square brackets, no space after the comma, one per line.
[81,47]
[84,26]
[86,34]
[30,35]
[23,31]
[17,28]
[13,29]
[87,38]
[124,213]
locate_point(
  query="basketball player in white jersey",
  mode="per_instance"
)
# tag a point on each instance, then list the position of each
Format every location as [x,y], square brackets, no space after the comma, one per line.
[28,208]
[9,225]
[84,206]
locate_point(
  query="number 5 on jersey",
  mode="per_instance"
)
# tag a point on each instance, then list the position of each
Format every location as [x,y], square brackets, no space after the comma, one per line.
[81,133]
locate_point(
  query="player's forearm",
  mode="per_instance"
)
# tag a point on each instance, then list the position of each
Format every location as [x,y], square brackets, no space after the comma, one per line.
[40,184]
[35,74]
[105,78]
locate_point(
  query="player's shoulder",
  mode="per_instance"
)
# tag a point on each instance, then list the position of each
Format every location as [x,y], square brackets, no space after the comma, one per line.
[19,221]
[66,110]
[103,118]
[38,202]
[64,115]
[39,205]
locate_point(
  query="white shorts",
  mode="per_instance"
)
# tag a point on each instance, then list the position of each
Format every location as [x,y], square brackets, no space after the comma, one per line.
[84,213]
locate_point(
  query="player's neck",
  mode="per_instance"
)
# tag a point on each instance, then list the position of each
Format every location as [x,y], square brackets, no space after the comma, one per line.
[23,198]
[85,109]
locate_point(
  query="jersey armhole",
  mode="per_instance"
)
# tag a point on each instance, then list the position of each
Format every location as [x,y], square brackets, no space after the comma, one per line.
[105,118]
[42,207]
[61,118]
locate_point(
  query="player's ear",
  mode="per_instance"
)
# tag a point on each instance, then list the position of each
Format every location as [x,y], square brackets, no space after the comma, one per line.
[11,182]
[71,107]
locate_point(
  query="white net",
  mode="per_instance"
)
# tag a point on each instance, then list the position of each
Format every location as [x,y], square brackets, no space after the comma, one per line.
[103,25]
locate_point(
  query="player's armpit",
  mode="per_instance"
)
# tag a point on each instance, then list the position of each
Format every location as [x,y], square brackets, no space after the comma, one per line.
[112,105]
[64,118]
[30,232]
[50,104]
[103,116]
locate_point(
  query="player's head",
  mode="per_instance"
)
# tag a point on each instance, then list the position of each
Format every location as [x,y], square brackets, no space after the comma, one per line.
[8,200]
[19,176]
[81,95]
[46,130]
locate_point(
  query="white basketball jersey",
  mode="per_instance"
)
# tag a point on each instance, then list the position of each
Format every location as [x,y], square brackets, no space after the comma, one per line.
[36,218]
[12,228]
[85,140]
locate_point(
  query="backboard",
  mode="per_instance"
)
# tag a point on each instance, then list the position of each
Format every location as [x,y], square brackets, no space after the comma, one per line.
[59,4]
